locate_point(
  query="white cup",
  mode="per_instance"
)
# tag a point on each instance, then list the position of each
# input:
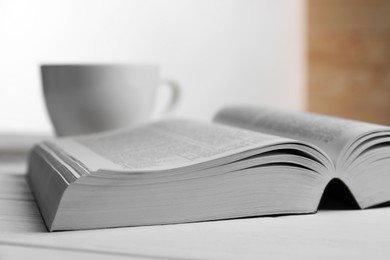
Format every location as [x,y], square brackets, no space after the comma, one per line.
[83,99]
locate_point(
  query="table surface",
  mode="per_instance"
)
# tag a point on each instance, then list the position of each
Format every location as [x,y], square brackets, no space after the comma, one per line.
[329,234]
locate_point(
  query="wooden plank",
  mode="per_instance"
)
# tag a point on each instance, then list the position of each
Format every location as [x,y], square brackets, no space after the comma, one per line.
[349,58]
[16,251]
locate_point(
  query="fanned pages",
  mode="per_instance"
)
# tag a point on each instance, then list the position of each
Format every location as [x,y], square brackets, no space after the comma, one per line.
[250,162]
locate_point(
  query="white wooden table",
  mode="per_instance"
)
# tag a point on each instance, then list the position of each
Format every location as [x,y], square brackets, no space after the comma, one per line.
[329,234]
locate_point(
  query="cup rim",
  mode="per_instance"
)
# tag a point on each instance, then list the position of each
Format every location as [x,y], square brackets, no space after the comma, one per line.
[98,65]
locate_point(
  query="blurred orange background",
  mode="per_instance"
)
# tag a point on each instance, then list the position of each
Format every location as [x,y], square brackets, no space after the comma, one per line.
[349,58]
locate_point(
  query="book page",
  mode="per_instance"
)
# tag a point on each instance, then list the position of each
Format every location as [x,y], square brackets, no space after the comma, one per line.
[331,134]
[163,145]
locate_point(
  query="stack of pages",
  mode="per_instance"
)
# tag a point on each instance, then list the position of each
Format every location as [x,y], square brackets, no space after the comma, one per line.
[250,161]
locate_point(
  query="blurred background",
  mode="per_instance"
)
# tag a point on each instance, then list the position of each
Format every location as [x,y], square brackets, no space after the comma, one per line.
[348,72]
[328,56]
[220,51]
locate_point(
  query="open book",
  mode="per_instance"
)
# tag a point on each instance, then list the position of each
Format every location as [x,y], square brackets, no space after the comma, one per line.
[250,161]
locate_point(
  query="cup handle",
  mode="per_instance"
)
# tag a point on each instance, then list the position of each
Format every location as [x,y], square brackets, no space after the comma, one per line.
[175,95]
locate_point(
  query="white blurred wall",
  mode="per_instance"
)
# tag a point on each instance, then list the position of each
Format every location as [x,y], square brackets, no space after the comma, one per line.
[220,51]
